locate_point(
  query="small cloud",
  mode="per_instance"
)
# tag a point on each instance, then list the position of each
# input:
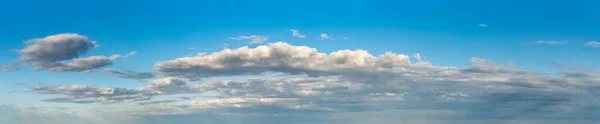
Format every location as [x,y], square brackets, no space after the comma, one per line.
[593,44]
[130,54]
[192,48]
[116,56]
[482,25]
[296,33]
[325,37]
[254,39]
[10,68]
[549,42]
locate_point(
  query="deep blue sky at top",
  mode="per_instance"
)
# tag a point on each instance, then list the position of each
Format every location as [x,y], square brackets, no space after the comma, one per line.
[444,31]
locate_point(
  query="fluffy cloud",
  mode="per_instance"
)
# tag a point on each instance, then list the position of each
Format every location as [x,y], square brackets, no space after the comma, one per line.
[53,52]
[254,39]
[296,33]
[278,57]
[482,25]
[593,43]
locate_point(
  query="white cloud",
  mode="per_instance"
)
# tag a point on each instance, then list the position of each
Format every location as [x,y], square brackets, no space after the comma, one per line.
[324,37]
[117,56]
[482,25]
[549,42]
[278,56]
[254,39]
[296,33]
[593,44]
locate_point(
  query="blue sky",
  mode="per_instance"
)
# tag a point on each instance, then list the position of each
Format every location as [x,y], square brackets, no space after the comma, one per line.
[539,35]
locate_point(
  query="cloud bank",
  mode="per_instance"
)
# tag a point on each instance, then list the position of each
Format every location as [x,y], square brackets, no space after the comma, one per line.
[281,81]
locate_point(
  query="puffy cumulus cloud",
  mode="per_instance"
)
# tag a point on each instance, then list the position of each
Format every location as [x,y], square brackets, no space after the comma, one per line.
[41,51]
[278,57]
[296,33]
[487,66]
[140,76]
[54,52]
[168,85]
[254,39]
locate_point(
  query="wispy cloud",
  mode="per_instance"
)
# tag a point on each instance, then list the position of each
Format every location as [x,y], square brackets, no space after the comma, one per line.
[482,25]
[296,33]
[549,42]
[254,39]
[593,44]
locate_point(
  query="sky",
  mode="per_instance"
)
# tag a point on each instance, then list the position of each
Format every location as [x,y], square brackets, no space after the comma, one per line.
[299,62]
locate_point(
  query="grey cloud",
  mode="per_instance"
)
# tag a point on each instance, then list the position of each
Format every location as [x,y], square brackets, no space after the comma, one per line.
[157,102]
[90,94]
[487,66]
[140,76]
[62,52]
[10,68]
[84,94]
[82,64]
[53,48]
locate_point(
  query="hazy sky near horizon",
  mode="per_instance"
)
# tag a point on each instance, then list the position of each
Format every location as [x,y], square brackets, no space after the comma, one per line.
[304,62]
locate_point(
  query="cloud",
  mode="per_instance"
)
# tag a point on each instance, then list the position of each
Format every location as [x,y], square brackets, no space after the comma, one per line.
[549,42]
[54,52]
[486,66]
[593,44]
[482,25]
[10,68]
[280,57]
[82,64]
[254,39]
[296,33]
[131,74]
[324,37]
[344,37]
[283,81]
[85,94]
